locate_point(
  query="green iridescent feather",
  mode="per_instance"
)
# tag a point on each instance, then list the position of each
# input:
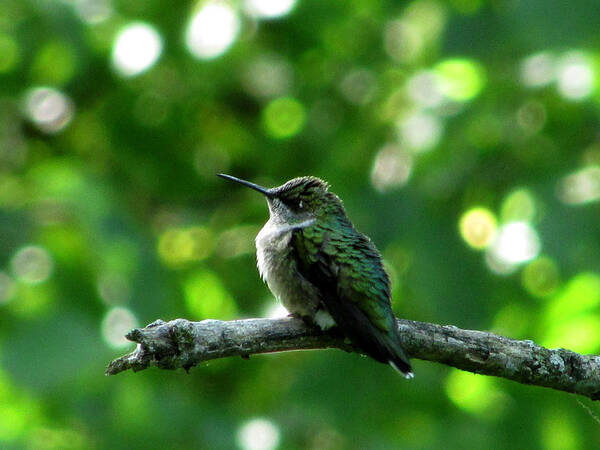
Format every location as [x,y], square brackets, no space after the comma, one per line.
[347,269]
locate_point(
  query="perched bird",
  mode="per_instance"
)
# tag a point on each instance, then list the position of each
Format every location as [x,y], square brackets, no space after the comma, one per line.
[325,271]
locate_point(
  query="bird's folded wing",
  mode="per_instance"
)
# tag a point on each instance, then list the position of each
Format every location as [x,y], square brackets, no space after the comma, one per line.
[347,270]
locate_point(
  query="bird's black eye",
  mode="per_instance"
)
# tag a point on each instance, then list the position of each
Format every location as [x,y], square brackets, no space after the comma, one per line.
[295,204]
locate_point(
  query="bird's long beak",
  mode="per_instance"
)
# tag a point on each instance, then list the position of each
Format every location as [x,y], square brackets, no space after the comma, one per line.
[263,190]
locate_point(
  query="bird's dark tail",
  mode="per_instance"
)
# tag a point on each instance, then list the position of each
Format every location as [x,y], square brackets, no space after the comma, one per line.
[402,365]
[382,345]
[388,350]
[395,356]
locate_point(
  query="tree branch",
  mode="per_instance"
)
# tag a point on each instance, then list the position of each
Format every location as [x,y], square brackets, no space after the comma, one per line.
[181,343]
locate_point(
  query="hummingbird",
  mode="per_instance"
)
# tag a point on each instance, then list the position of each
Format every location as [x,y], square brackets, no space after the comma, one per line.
[324,271]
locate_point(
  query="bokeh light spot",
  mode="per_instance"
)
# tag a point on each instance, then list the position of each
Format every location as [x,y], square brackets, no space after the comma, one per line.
[93,11]
[429,16]
[531,117]
[258,434]
[358,86]
[476,394]
[136,49]
[403,41]
[174,246]
[212,30]
[207,298]
[538,70]
[7,287]
[460,79]
[284,117]
[9,49]
[515,243]
[113,288]
[540,277]
[518,206]
[268,76]
[580,295]
[116,323]
[392,167]
[575,76]
[579,334]
[499,266]
[420,131]
[407,38]
[268,9]
[478,227]
[580,187]
[425,90]
[236,241]
[48,108]
[32,264]
[178,246]
[571,319]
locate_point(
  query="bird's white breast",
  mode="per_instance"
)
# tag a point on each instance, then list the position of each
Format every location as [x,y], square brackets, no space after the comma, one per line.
[277,267]
[271,246]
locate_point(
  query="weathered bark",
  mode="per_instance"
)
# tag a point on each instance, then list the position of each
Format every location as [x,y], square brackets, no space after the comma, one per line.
[181,343]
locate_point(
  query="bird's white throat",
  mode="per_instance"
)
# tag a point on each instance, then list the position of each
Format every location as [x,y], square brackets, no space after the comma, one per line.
[272,242]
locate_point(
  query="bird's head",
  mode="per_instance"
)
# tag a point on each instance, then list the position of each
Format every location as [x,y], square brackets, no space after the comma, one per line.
[298,200]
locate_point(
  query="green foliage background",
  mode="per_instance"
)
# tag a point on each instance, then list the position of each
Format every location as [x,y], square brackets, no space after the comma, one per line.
[116,217]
